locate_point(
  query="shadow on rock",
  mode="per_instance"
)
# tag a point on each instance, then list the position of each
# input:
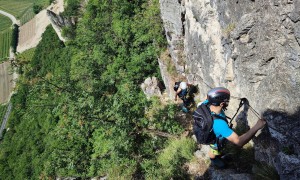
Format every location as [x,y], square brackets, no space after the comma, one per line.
[278,145]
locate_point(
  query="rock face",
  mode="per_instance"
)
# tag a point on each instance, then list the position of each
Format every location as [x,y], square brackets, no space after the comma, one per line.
[173,17]
[228,175]
[58,22]
[278,144]
[250,47]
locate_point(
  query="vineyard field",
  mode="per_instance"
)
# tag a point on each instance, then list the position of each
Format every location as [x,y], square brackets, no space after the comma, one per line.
[5,40]
[27,16]
[5,23]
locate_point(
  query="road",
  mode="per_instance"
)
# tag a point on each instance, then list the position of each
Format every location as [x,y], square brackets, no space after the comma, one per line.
[10,16]
[5,118]
[14,21]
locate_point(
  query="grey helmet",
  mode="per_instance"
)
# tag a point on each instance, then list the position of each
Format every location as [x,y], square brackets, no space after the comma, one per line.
[218,95]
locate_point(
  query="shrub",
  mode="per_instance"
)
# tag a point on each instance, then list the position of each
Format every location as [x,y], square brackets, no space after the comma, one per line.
[175,155]
[37,8]
[69,32]
[72,8]
[15,37]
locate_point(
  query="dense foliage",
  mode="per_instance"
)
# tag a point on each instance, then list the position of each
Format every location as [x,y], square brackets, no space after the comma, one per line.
[37,8]
[79,110]
[72,7]
[2,111]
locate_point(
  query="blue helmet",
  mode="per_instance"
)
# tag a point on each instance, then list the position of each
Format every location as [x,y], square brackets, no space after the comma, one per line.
[218,95]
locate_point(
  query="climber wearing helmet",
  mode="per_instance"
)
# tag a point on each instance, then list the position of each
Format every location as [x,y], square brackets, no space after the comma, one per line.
[181,89]
[217,100]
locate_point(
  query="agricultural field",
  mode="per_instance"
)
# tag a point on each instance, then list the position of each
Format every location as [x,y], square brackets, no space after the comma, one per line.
[27,16]
[27,34]
[5,37]
[22,9]
[5,40]
[5,23]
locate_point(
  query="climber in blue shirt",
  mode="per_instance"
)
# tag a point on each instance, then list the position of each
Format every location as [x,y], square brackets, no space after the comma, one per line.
[218,100]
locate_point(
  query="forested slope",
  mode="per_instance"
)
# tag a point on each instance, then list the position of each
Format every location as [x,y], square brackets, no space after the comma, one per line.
[79,110]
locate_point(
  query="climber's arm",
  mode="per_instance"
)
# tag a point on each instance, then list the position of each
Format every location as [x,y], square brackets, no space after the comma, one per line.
[176,93]
[245,138]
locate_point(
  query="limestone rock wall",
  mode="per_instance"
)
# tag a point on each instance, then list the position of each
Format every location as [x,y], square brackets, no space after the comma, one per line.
[278,145]
[250,47]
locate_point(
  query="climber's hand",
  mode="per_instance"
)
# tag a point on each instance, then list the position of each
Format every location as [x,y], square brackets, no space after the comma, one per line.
[261,123]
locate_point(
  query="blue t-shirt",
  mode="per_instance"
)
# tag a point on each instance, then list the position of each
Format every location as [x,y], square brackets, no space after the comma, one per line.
[221,128]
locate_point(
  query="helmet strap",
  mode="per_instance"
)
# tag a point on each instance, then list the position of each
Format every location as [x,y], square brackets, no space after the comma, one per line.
[224,106]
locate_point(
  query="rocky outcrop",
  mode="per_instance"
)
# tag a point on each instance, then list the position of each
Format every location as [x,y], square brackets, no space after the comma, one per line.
[59,22]
[151,87]
[250,47]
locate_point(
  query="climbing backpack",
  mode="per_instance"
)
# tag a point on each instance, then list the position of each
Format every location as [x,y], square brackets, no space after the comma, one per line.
[176,86]
[203,124]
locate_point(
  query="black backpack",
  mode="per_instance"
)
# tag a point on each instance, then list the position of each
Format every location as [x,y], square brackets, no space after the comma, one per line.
[176,86]
[203,125]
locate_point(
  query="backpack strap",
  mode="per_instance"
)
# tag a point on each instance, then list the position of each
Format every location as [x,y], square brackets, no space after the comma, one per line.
[220,143]
[216,116]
